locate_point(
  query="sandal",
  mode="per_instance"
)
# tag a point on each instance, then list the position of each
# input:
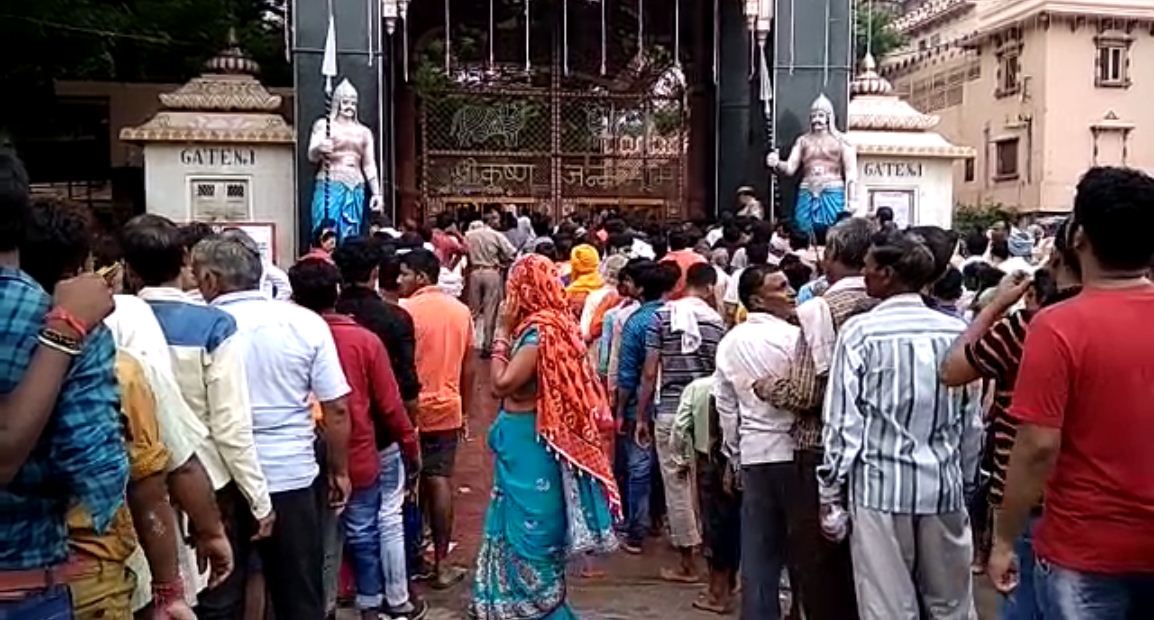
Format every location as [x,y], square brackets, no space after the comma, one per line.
[670,575]
[704,604]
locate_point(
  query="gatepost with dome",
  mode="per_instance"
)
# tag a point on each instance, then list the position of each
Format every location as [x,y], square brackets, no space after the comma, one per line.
[902,163]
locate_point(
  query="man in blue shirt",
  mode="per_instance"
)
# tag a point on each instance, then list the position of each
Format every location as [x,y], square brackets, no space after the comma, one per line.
[57,446]
[635,454]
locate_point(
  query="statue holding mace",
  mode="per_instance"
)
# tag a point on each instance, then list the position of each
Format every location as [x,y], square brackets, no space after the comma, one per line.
[346,150]
[828,167]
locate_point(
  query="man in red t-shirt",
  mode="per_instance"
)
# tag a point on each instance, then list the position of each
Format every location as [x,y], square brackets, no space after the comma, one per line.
[1085,403]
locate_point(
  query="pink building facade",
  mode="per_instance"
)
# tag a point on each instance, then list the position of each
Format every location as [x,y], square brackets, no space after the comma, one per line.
[1040,89]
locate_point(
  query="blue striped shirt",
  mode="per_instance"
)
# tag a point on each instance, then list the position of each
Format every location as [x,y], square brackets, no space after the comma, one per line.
[903,442]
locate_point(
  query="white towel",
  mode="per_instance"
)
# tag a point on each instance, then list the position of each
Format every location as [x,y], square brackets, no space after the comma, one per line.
[816,322]
[685,315]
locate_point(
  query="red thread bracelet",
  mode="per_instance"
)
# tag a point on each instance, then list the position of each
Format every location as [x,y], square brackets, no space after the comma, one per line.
[66,317]
[165,594]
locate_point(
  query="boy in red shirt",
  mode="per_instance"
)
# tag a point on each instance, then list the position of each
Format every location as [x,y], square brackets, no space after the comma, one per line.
[1084,399]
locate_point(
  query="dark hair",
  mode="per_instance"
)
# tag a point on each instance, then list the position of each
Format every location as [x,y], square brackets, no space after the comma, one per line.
[751,281]
[1066,253]
[192,233]
[1045,286]
[910,260]
[633,269]
[988,276]
[619,241]
[884,215]
[679,239]
[105,250]
[1115,209]
[977,243]
[941,243]
[701,276]
[389,276]
[445,220]
[153,248]
[410,241]
[798,240]
[315,283]
[564,246]
[798,273]
[356,258]
[424,262]
[1000,248]
[381,220]
[57,241]
[761,232]
[658,279]
[757,253]
[325,231]
[541,224]
[949,286]
[13,201]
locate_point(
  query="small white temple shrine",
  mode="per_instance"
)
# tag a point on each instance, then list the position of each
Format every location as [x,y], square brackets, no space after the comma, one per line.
[902,163]
[220,152]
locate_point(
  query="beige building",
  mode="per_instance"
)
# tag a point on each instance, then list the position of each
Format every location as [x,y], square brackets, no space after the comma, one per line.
[1040,89]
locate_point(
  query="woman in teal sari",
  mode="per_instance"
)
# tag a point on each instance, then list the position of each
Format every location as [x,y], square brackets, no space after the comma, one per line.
[553,491]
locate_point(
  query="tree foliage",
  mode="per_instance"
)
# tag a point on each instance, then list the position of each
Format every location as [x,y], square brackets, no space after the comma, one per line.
[133,40]
[874,29]
[971,217]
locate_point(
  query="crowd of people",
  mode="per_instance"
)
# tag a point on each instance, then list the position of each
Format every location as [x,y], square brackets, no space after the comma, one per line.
[864,417]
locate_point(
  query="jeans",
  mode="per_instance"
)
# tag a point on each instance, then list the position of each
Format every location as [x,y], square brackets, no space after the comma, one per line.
[1023,602]
[362,539]
[53,603]
[1074,595]
[392,528]
[635,470]
[765,492]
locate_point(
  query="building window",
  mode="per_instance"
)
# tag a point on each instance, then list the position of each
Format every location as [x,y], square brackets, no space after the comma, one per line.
[1007,159]
[1009,71]
[968,170]
[220,200]
[1113,61]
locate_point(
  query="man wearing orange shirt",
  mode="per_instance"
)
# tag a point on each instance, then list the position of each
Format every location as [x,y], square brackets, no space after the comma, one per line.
[681,253]
[443,327]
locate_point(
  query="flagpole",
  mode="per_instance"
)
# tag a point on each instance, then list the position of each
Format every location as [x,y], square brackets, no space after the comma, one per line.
[329,70]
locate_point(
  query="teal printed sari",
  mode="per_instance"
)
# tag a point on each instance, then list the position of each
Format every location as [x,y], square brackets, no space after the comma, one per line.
[541,513]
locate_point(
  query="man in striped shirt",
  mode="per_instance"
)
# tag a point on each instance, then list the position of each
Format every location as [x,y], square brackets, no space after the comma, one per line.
[906,447]
[680,347]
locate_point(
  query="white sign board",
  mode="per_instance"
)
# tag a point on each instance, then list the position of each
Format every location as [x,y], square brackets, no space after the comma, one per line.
[901,202]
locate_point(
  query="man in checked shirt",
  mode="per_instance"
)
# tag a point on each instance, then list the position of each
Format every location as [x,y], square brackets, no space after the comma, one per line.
[824,579]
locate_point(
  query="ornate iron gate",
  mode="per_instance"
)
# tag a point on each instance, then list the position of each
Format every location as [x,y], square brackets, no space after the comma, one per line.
[553,150]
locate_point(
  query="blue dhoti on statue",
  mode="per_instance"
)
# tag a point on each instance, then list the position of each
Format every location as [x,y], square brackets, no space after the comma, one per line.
[344,211]
[818,211]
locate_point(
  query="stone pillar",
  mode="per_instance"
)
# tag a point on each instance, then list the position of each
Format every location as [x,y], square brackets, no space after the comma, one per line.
[360,32]
[740,127]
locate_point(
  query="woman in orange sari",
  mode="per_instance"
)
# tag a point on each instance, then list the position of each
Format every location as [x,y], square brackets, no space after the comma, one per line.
[553,488]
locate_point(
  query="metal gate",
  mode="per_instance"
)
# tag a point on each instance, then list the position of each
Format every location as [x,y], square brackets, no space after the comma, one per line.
[553,150]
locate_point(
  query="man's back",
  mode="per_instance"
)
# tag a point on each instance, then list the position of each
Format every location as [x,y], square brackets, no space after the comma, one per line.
[393,325]
[488,248]
[917,442]
[80,455]
[444,335]
[289,354]
[679,368]
[1088,370]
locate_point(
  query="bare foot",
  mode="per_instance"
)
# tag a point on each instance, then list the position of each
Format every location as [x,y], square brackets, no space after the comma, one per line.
[708,603]
[676,576]
[591,573]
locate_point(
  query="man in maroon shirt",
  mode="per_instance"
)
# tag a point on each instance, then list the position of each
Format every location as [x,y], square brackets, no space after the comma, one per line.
[1083,399]
[381,435]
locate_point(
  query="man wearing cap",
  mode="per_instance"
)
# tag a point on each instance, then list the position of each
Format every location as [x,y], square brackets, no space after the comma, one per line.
[750,206]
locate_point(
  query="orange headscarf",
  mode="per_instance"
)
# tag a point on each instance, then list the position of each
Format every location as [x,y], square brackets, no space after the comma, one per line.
[569,397]
[586,277]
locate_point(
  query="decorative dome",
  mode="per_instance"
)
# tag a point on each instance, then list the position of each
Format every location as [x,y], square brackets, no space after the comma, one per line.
[232,60]
[868,82]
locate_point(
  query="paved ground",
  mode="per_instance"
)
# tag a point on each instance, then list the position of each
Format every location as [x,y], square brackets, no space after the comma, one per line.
[631,592]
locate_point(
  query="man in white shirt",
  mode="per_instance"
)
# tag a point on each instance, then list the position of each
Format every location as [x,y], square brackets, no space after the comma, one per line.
[289,357]
[209,370]
[756,254]
[756,434]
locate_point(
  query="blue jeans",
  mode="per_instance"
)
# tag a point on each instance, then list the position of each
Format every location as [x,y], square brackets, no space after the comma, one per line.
[392,528]
[362,538]
[1023,602]
[1074,595]
[54,603]
[635,472]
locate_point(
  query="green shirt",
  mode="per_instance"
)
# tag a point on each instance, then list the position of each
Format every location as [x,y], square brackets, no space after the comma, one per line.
[691,430]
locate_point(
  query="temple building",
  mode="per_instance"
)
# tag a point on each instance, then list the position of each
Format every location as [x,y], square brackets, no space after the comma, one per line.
[1040,89]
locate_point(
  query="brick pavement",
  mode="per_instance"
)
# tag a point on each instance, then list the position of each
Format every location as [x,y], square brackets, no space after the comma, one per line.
[632,591]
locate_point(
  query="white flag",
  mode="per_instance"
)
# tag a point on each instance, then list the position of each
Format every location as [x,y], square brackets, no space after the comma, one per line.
[329,64]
